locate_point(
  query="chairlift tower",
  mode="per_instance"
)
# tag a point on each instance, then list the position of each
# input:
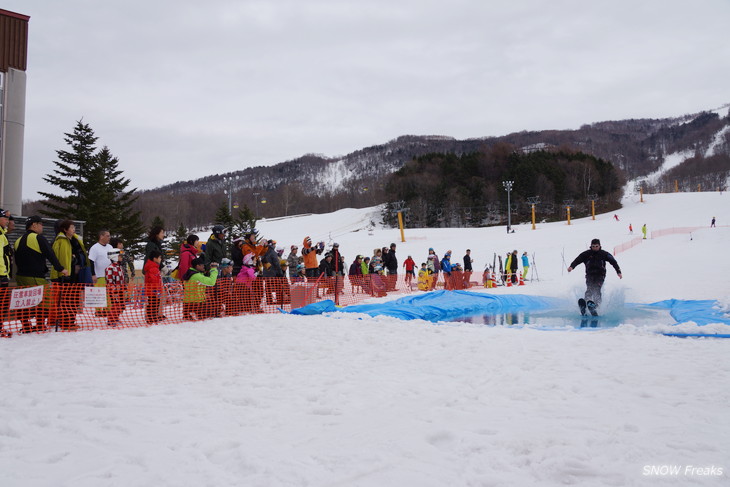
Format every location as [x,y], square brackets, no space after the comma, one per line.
[399,208]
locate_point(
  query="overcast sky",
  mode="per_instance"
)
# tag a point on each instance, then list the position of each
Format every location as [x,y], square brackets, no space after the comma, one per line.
[180,89]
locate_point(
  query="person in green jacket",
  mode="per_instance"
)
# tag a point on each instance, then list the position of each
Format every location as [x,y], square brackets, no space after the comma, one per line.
[195,282]
[215,248]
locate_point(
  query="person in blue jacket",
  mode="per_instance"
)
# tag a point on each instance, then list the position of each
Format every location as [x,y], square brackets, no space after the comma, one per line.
[525,265]
[446,263]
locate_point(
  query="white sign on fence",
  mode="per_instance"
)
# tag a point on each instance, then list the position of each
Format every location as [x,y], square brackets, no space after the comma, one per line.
[26,297]
[95,297]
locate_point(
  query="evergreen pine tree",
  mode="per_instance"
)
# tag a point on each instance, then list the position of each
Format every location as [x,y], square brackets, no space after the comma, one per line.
[111,205]
[245,221]
[96,191]
[181,235]
[71,171]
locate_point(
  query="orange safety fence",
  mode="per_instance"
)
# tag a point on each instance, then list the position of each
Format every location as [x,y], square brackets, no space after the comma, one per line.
[71,307]
[655,234]
[672,231]
[627,245]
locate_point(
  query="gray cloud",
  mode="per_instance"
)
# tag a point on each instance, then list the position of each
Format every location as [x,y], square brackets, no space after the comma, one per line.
[179,90]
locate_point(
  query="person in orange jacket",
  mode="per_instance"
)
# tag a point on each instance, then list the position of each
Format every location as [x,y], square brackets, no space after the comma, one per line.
[310,252]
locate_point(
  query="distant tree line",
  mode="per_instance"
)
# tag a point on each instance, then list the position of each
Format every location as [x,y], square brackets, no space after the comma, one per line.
[467,190]
[314,183]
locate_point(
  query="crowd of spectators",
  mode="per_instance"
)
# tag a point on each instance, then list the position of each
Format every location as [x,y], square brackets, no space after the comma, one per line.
[215,280]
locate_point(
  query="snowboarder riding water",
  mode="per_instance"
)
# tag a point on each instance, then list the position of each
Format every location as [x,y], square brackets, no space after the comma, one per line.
[595,260]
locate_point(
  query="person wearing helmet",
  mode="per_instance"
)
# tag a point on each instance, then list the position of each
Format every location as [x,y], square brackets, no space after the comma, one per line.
[215,248]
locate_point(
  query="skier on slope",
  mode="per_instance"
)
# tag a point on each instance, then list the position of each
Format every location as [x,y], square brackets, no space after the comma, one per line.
[595,261]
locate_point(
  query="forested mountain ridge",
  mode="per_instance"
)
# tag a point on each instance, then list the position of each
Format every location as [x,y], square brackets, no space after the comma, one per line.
[316,183]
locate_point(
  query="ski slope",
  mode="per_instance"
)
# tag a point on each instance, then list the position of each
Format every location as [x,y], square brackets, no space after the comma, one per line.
[352,400]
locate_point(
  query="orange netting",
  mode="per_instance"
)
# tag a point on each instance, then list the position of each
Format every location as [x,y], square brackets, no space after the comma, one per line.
[72,307]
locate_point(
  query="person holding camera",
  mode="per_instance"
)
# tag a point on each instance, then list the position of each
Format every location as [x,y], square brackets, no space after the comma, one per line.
[195,305]
[310,253]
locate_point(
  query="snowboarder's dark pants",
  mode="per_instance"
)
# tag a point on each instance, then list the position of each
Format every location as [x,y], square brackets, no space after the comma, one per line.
[594,283]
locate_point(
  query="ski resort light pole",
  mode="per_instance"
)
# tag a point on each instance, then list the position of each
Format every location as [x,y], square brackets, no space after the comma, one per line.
[229,180]
[508,187]
[256,201]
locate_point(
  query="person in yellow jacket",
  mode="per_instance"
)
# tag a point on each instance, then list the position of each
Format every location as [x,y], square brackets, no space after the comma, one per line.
[31,252]
[4,272]
[424,278]
[71,253]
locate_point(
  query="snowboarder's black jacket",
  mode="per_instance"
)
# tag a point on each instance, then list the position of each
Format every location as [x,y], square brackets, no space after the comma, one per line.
[595,261]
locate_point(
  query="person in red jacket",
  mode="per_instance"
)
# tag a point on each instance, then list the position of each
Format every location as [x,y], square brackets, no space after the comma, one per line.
[153,287]
[410,266]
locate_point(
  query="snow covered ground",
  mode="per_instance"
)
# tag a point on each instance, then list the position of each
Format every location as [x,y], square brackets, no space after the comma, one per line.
[349,400]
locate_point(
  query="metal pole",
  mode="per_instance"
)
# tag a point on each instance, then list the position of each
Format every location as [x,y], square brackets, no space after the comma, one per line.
[508,186]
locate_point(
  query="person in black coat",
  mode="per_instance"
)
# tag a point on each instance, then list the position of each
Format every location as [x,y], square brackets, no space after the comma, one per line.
[390,262]
[595,261]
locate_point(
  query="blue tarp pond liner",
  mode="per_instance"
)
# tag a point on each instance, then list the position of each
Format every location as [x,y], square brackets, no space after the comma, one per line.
[518,309]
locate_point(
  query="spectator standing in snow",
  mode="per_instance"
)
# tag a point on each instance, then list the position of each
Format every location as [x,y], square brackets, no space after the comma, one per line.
[595,261]
[188,252]
[525,265]
[115,286]
[434,266]
[631,229]
[712,224]
[215,247]
[127,261]
[467,267]
[154,242]
[292,261]
[390,262]
[310,253]
[643,230]
[237,255]
[153,287]
[446,268]
[512,266]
